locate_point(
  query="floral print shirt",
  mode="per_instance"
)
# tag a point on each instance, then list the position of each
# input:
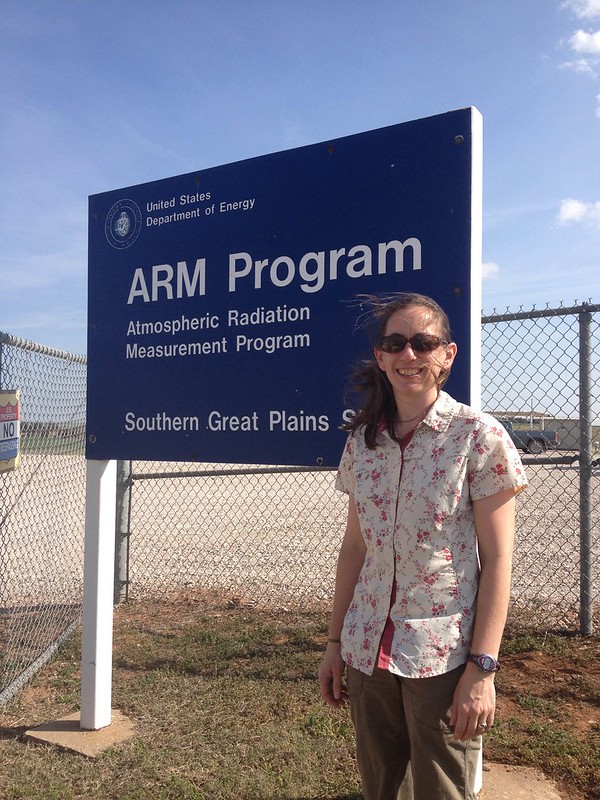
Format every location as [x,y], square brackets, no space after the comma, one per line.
[416,516]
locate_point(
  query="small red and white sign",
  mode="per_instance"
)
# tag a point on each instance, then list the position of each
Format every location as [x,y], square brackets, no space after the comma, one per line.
[10,423]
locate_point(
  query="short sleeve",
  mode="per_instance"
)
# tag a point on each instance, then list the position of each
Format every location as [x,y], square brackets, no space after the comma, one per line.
[345,480]
[495,464]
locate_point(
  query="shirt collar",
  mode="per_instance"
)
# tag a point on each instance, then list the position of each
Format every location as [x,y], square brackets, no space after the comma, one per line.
[441,412]
[438,418]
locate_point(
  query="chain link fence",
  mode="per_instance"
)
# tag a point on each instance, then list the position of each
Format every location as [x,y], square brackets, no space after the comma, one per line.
[219,533]
[539,372]
[42,509]
[237,534]
[258,536]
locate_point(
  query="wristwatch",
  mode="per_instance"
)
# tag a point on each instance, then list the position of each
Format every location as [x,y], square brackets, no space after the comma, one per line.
[485,662]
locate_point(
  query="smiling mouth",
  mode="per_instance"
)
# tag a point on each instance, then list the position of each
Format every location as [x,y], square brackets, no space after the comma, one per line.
[409,373]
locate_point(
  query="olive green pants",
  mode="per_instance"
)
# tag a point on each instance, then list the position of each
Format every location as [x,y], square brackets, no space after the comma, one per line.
[405,749]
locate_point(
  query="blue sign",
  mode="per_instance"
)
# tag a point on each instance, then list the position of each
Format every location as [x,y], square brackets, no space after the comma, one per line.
[222,302]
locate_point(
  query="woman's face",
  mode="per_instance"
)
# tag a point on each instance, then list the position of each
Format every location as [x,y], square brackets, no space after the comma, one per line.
[413,373]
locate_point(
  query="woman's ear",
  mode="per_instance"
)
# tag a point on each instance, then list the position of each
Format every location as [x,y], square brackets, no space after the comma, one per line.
[450,355]
[378,357]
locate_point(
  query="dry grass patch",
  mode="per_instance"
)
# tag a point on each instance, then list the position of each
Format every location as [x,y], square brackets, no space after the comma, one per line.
[225,705]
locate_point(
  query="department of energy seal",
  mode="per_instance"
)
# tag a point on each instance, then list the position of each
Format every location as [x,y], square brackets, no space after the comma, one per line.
[123,224]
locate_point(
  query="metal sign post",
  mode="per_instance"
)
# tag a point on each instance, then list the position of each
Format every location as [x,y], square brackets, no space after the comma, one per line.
[98,576]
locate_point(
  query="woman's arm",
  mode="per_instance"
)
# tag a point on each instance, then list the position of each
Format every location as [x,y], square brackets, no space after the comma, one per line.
[475,696]
[350,561]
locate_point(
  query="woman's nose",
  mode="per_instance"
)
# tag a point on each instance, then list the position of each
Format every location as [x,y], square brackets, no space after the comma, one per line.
[408,351]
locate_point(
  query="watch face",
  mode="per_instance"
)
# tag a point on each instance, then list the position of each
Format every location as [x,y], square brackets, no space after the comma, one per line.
[487,663]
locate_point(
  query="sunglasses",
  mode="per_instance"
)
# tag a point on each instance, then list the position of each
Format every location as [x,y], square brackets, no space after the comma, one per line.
[420,342]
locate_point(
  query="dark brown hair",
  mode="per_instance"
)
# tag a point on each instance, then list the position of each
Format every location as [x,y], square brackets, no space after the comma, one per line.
[378,407]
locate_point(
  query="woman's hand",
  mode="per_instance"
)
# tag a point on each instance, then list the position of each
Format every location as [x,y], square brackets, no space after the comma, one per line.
[331,675]
[474,704]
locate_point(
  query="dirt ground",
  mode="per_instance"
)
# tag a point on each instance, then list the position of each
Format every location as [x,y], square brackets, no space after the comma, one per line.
[574,687]
[558,693]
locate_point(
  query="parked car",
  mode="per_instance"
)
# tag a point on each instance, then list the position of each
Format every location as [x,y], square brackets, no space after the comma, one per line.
[531,441]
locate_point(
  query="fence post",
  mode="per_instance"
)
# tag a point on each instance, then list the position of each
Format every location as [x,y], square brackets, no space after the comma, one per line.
[585,470]
[122,532]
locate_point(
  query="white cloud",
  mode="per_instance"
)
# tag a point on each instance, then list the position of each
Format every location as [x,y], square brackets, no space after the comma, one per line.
[578,211]
[584,9]
[581,65]
[587,47]
[586,43]
[489,269]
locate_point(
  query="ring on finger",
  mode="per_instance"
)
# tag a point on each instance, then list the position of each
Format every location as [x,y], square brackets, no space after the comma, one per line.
[482,726]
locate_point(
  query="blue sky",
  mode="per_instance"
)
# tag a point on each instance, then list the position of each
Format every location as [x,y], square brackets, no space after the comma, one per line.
[101,95]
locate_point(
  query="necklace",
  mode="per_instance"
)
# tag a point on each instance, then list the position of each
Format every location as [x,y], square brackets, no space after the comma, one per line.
[401,422]
[412,419]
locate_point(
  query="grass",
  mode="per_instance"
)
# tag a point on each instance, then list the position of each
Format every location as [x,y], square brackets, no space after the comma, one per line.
[225,706]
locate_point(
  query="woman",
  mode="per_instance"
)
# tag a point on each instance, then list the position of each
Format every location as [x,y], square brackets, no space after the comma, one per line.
[423,575]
